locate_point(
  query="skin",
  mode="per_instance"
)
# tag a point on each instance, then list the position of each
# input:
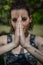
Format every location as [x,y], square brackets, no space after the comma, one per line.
[21,36]
[36,53]
[23,41]
[13,44]
[22,13]
[16,14]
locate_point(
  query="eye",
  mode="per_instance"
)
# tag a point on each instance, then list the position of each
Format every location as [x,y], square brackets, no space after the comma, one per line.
[24,18]
[14,20]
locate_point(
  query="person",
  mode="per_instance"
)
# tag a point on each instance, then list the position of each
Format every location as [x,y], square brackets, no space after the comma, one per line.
[21,47]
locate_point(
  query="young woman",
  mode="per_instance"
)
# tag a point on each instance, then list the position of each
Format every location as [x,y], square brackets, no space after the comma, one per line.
[19,48]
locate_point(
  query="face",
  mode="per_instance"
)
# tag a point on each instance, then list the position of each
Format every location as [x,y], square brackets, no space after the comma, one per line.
[26,20]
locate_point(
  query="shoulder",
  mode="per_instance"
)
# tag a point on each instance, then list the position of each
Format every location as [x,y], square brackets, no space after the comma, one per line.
[5,37]
[6,34]
[38,40]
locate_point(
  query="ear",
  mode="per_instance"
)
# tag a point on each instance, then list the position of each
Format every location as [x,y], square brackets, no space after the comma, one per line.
[30,18]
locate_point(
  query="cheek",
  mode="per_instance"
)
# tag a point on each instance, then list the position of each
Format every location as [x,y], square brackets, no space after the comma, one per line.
[25,25]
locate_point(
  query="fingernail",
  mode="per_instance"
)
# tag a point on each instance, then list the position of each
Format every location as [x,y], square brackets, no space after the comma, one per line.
[19,18]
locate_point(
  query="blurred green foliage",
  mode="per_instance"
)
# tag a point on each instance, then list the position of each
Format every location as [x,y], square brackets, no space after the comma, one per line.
[35,5]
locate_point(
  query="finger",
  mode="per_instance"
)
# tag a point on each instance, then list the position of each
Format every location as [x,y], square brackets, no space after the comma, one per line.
[17,33]
[19,19]
[18,23]
[22,36]
[17,29]
[21,28]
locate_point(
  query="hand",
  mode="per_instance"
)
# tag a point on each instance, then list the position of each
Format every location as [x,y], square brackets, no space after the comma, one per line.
[17,34]
[22,36]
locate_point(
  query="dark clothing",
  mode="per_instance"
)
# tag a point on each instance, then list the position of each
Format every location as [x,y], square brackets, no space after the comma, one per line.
[20,59]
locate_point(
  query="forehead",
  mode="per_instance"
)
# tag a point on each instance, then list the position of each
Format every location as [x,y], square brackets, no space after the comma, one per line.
[21,12]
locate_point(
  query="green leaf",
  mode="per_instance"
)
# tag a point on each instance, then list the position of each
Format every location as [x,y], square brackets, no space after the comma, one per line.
[6,7]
